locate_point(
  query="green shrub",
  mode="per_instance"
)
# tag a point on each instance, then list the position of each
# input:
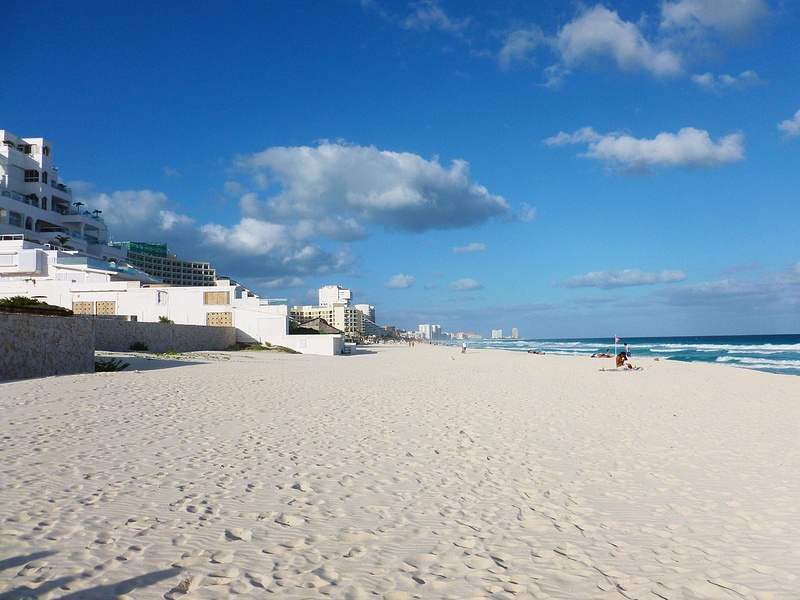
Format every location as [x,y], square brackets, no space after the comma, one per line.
[109,365]
[140,347]
[25,302]
[165,320]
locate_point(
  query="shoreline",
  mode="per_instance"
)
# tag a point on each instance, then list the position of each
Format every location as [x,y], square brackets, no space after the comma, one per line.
[401,473]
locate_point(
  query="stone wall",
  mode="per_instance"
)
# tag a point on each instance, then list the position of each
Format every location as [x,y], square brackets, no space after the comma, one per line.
[38,346]
[117,336]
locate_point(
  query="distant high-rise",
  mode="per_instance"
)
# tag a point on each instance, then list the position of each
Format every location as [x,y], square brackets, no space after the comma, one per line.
[368,311]
[497,334]
[430,332]
[515,333]
[334,294]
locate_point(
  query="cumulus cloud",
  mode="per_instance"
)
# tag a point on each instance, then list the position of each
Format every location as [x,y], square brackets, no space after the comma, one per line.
[401,282]
[599,35]
[689,147]
[791,127]
[299,209]
[465,285]
[743,80]
[249,248]
[470,248]
[732,19]
[138,214]
[607,280]
[394,189]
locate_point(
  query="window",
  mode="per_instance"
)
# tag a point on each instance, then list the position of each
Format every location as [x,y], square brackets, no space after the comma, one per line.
[216,298]
[31,175]
[44,176]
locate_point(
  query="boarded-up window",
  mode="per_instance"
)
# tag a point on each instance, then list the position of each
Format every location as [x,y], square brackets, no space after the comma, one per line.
[215,298]
[219,319]
[106,308]
[83,308]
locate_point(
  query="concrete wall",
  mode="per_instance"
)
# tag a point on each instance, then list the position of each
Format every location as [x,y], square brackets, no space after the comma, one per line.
[35,346]
[117,336]
[323,344]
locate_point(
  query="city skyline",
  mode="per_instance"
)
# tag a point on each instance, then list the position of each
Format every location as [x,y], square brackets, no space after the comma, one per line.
[570,169]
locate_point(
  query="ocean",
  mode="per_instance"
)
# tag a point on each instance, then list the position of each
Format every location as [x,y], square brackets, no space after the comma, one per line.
[770,353]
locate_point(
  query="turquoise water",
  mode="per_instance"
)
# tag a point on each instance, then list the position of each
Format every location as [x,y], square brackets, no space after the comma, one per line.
[771,353]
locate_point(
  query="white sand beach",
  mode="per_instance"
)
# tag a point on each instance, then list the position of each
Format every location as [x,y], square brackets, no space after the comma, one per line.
[400,473]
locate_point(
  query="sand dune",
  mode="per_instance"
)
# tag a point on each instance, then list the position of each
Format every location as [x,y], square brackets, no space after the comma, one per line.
[402,473]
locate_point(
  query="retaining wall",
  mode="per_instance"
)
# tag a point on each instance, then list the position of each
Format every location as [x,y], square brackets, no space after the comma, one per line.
[38,346]
[117,336]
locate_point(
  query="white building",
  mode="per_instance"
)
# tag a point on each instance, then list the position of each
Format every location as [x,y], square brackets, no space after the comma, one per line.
[52,250]
[430,332]
[91,286]
[34,203]
[334,294]
[514,333]
[154,259]
[497,334]
[368,311]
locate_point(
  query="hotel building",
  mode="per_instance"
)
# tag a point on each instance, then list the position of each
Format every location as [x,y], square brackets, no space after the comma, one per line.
[35,204]
[153,259]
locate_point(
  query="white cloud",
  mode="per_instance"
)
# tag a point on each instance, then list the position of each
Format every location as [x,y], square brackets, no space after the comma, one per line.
[301,208]
[249,248]
[520,44]
[689,147]
[607,280]
[599,34]
[137,215]
[743,80]
[283,283]
[395,189]
[598,37]
[429,15]
[595,38]
[465,285]
[733,19]
[528,213]
[472,247]
[791,127]
[775,292]
[401,282]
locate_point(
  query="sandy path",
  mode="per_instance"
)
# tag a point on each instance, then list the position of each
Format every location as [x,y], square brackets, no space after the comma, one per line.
[401,473]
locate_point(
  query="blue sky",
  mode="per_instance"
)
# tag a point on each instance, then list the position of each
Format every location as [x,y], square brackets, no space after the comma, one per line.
[570,169]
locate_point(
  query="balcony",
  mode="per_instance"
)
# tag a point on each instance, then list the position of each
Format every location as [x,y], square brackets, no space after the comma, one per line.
[61,187]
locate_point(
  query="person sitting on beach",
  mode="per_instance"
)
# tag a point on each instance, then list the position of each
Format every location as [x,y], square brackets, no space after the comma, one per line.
[621,358]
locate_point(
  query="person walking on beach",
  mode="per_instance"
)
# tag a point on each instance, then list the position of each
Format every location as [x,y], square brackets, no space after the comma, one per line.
[463,347]
[627,351]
